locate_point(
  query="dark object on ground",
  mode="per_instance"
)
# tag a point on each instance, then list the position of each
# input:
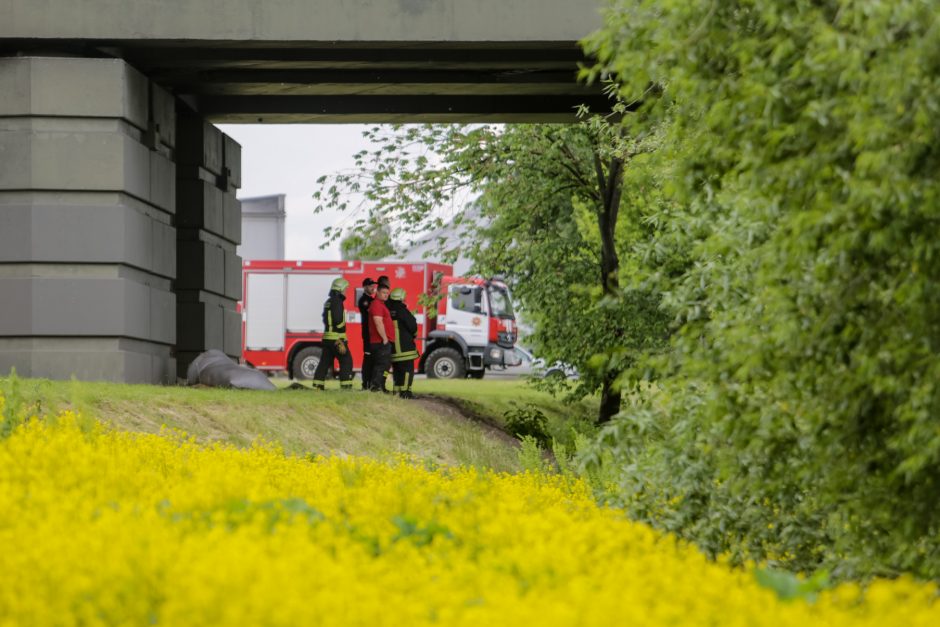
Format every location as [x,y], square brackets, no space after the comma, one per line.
[297,386]
[214,369]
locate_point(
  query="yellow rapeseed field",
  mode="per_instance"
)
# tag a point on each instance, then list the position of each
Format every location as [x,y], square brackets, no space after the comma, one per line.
[115,528]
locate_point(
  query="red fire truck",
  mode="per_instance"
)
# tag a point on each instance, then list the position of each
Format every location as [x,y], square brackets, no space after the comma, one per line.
[472,329]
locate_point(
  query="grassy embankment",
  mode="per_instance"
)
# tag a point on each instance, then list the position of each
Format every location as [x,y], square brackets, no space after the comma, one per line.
[489,400]
[305,422]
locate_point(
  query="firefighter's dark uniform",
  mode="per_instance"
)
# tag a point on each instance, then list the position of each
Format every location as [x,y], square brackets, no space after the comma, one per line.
[334,325]
[405,349]
[364,302]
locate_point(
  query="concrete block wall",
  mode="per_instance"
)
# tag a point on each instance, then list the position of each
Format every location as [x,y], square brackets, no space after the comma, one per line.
[208,220]
[87,202]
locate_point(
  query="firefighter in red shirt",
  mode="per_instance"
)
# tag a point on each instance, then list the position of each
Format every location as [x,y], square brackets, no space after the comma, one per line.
[382,335]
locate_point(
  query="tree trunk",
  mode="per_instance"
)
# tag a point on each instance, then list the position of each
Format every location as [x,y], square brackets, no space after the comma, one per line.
[611,186]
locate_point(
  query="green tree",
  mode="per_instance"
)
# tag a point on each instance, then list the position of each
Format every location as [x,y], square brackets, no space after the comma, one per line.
[373,244]
[801,144]
[546,213]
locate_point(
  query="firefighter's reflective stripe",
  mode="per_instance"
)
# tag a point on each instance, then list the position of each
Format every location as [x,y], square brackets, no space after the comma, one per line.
[409,356]
[400,356]
[330,333]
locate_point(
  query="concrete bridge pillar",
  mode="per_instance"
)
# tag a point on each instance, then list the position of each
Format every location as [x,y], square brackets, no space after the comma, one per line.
[100,277]
[209,281]
[87,244]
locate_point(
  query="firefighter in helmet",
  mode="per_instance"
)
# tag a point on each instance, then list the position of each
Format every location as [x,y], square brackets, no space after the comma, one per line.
[404,351]
[334,339]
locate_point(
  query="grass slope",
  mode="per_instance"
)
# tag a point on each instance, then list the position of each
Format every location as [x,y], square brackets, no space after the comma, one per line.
[491,399]
[306,422]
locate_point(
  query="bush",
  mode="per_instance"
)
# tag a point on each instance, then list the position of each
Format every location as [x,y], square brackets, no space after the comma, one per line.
[798,419]
[528,421]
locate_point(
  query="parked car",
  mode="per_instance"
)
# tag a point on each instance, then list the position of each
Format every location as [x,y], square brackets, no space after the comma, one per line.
[535,366]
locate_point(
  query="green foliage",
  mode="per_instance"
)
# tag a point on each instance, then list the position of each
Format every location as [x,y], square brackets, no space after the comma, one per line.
[529,202]
[564,461]
[531,456]
[792,215]
[528,421]
[233,514]
[488,400]
[790,587]
[16,408]
[12,414]
[412,530]
[376,245]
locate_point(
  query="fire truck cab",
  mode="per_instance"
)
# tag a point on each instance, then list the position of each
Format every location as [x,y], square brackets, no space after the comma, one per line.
[475,329]
[469,328]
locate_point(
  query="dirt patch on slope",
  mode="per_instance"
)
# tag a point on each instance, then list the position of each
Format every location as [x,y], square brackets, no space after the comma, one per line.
[450,409]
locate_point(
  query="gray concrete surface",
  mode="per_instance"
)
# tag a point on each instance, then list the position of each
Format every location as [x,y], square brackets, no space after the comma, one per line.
[206,321]
[90,359]
[208,283]
[57,227]
[302,20]
[72,88]
[93,300]
[87,246]
[326,61]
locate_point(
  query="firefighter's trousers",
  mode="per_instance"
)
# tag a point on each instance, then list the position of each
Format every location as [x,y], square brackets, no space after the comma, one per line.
[367,367]
[381,360]
[327,356]
[403,375]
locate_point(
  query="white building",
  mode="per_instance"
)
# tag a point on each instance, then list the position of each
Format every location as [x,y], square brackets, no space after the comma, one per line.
[263,219]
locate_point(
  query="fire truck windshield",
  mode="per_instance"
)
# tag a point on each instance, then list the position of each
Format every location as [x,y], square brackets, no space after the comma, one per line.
[500,303]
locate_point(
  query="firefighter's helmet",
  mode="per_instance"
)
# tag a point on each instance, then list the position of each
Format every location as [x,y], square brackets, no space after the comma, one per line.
[340,284]
[398,294]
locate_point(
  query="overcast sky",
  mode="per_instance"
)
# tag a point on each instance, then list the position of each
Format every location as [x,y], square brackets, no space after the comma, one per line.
[288,159]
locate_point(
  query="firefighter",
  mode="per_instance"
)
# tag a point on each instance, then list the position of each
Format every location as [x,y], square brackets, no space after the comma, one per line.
[334,339]
[404,350]
[368,295]
[384,280]
[382,335]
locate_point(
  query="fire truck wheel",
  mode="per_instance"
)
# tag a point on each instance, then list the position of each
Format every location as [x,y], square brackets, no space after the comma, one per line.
[446,363]
[305,363]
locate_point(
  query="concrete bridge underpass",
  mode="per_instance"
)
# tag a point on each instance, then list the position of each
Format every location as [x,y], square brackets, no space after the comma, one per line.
[118,215]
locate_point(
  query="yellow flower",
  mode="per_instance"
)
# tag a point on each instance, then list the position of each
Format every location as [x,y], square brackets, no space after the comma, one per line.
[100,527]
